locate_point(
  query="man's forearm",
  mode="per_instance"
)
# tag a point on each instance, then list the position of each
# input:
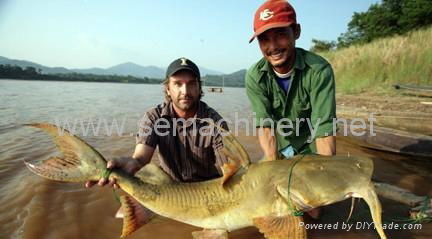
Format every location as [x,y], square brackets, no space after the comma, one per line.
[268,143]
[143,154]
[326,145]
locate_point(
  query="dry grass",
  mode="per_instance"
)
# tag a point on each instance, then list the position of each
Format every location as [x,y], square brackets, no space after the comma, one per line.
[374,67]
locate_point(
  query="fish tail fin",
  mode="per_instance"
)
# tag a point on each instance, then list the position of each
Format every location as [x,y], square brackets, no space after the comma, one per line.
[371,198]
[80,162]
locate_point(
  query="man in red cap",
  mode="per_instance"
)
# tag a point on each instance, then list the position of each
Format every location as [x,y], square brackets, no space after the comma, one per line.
[291,86]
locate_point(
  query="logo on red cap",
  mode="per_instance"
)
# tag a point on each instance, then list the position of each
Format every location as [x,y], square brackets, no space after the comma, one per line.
[266,14]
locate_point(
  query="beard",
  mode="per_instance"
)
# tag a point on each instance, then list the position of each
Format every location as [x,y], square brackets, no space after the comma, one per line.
[186,106]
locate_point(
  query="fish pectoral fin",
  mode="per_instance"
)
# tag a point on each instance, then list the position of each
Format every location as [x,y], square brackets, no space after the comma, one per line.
[210,234]
[134,215]
[274,227]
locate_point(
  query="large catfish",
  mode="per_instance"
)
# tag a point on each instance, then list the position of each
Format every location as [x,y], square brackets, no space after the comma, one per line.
[265,195]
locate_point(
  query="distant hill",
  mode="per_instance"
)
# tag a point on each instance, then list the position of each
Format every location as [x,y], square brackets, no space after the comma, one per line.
[124,69]
[128,68]
[23,64]
[235,79]
[204,71]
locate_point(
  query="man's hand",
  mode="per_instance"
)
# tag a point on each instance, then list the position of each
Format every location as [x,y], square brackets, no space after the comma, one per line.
[142,156]
[127,164]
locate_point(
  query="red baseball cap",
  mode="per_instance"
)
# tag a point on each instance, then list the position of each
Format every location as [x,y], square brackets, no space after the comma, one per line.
[272,14]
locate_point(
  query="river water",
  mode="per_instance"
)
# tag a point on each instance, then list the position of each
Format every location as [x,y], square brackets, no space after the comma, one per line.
[32,207]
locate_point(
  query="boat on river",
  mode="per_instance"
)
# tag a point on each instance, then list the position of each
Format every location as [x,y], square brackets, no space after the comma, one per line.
[217,89]
[387,139]
[422,91]
[420,123]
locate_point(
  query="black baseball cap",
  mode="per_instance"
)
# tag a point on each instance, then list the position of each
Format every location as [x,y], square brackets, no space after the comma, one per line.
[182,64]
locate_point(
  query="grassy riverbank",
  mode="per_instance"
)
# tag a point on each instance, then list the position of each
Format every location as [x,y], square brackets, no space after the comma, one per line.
[374,67]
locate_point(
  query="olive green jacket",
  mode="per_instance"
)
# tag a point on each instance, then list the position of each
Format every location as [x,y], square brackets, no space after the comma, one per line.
[310,100]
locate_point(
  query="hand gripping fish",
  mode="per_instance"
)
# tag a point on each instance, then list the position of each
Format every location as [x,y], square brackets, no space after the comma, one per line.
[263,195]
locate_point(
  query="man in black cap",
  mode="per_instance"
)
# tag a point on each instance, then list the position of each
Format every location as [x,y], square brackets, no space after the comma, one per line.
[190,149]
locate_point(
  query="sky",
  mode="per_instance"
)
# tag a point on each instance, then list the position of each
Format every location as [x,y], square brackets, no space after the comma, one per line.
[104,33]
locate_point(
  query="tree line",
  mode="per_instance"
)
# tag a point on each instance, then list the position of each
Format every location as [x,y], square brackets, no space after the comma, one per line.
[31,73]
[235,79]
[388,18]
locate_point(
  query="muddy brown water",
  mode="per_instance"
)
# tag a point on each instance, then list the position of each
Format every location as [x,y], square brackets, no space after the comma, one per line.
[32,207]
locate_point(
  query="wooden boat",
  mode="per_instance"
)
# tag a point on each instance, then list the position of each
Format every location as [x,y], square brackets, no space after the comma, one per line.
[215,89]
[388,139]
[423,91]
[406,121]
[413,87]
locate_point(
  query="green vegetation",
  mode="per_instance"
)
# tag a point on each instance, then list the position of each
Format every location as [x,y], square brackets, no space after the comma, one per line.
[385,19]
[320,45]
[31,73]
[389,18]
[389,43]
[374,67]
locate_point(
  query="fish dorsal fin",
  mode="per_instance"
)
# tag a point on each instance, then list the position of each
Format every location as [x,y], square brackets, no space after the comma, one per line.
[235,150]
[230,167]
[134,215]
[274,227]
[231,144]
[236,155]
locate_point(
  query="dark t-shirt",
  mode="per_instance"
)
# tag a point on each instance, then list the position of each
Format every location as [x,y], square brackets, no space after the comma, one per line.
[283,83]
